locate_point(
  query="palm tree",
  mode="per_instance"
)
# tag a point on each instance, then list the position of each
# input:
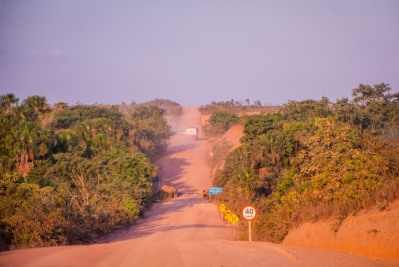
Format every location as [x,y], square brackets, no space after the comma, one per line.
[38,104]
[8,102]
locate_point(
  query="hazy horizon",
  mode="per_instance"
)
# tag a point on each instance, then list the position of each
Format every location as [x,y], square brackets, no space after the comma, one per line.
[195,52]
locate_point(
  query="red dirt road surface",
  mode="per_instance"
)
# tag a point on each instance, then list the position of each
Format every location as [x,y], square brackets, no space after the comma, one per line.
[185,231]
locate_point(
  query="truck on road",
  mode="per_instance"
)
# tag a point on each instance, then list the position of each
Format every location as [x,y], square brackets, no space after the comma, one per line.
[192,132]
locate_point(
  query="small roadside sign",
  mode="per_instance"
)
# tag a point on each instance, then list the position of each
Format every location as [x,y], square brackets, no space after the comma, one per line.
[234,219]
[222,208]
[227,214]
[231,217]
[215,190]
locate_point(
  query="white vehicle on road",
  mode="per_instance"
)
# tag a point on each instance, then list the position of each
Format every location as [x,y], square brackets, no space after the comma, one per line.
[192,132]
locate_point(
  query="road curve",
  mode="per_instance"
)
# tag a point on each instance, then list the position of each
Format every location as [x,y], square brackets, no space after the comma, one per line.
[185,231]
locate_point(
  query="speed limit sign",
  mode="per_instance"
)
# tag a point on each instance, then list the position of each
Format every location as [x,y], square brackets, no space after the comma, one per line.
[249,213]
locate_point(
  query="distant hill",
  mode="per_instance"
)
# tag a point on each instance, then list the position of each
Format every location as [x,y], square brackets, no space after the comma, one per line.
[171,107]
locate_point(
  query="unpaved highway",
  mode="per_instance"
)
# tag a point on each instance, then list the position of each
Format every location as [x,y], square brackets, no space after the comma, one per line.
[186,231]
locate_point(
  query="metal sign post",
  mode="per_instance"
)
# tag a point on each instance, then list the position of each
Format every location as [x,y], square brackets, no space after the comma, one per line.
[249,231]
[222,209]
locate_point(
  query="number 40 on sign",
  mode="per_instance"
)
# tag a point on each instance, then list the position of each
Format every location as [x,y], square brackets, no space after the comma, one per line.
[249,213]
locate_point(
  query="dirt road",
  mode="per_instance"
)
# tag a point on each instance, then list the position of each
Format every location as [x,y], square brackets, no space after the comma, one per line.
[186,231]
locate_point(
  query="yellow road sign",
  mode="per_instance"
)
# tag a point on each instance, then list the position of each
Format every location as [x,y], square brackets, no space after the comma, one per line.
[231,217]
[234,219]
[222,208]
[227,214]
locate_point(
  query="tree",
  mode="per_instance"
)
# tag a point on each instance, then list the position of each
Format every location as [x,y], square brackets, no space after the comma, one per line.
[246,180]
[373,105]
[102,193]
[8,102]
[66,118]
[307,109]
[35,106]
[366,94]
[260,124]
[30,215]
[221,121]
[150,129]
[345,111]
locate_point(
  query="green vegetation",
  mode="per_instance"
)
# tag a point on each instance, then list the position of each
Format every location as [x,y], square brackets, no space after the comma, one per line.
[219,122]
[69,175]
[315,160]
[150,129]
[225,114]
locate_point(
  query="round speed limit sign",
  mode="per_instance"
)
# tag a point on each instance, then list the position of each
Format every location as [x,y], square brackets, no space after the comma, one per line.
[249,213]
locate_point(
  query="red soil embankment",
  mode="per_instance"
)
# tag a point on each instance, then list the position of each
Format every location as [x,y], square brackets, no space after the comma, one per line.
[233,135]
[372,234]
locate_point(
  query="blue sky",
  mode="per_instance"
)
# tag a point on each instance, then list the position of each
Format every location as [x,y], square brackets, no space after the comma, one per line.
[195,52]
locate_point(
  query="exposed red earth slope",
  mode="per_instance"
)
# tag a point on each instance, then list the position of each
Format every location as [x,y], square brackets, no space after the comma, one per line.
[232,136]
[372,233]
[186,231]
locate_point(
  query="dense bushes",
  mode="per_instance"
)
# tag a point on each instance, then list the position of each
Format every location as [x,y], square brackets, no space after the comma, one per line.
[67,117]
[150,130]
[315,160]
[84,175]
[219,122]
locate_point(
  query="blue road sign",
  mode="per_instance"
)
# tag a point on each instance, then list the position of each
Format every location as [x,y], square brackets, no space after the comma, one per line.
[215,190]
